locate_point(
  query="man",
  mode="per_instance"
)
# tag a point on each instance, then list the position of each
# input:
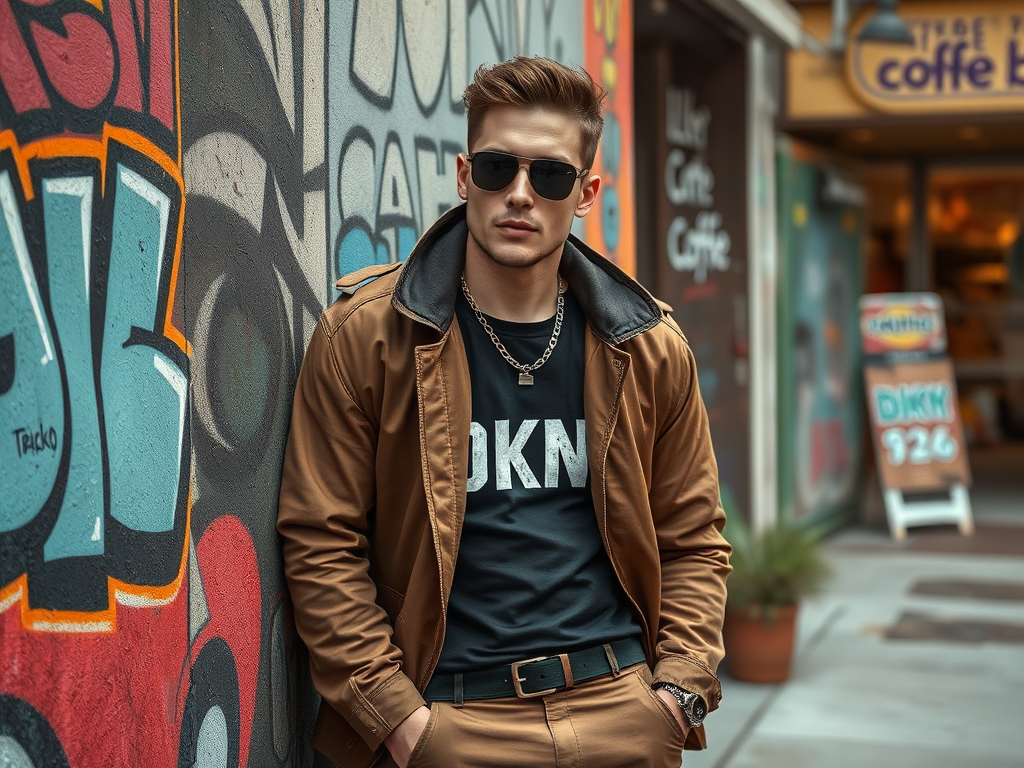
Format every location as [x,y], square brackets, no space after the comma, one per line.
[499,453]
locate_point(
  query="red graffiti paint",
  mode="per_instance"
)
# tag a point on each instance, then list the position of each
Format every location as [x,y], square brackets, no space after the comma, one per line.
[156,41]
[227,565]
[80,63]
[118,698]
[64,70]
[18,75]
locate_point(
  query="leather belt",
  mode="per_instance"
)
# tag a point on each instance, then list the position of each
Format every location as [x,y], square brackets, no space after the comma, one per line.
[536,677]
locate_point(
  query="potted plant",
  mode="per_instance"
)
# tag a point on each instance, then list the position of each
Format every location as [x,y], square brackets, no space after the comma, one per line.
[772,571]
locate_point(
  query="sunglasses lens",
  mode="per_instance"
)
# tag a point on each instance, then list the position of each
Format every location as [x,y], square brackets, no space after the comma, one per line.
[551,179]
[493,171]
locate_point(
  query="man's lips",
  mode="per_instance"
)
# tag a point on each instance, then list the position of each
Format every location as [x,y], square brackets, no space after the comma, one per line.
[516,227]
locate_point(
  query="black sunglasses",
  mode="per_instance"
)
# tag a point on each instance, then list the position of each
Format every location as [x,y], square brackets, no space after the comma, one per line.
[551,179]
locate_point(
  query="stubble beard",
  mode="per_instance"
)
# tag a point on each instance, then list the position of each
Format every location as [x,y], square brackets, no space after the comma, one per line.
[513,261]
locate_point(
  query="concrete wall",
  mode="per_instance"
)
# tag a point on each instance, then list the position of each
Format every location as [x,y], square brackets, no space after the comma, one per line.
[180,184]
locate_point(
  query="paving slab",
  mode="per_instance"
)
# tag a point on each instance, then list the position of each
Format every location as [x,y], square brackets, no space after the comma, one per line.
[835,753]
[858,698]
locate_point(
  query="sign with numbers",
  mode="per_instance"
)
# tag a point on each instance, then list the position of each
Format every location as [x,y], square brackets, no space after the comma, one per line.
[916,422]
[915,415]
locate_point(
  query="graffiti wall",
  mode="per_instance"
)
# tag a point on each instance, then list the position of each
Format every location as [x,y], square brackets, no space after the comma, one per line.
[180,184]
[821,225]
[396,122]
[159,197]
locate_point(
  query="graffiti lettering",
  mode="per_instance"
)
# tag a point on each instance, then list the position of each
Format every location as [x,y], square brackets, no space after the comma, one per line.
[255,236]
[110,384]
[394,180]
[70,69]
[115,585]
[29,441]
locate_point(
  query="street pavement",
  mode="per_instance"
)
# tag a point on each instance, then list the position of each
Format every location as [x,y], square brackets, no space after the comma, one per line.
[912,656]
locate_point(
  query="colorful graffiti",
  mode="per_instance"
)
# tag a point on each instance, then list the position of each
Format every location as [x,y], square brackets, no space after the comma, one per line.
[94,367]
[609,44]
[179,186]
[256,261]
[395,118]
[120,613]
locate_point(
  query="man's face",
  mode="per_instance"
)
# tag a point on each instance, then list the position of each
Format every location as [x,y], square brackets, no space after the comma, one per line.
[514,226]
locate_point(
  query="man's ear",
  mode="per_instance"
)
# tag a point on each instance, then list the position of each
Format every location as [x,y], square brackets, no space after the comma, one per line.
[588,196]
[462,169]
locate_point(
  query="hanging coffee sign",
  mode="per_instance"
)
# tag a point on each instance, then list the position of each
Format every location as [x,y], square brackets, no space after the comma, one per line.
[966,57]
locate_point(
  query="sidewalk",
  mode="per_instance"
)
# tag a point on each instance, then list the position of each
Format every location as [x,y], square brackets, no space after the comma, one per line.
[914,656]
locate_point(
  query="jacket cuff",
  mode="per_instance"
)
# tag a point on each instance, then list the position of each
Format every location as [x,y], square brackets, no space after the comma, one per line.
[384,708]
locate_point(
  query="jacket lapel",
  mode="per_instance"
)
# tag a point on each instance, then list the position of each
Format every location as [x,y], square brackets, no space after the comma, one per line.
[444,398]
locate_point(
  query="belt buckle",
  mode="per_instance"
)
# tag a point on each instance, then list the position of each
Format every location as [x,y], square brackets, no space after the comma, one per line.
[517,681]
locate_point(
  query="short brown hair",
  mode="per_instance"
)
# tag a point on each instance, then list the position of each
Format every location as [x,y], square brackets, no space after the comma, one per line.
[537,82]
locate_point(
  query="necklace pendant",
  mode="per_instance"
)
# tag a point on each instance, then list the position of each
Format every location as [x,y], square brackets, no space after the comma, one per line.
[525,380]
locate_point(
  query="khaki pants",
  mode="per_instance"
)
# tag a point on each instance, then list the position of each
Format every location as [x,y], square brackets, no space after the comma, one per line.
[610,722]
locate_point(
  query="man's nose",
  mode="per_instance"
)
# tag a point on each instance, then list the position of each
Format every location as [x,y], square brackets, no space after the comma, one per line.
[520,191]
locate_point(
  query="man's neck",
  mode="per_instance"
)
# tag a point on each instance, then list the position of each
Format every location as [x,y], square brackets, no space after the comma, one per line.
[517,295]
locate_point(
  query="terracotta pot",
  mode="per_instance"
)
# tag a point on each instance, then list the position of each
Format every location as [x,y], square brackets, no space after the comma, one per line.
[759,643]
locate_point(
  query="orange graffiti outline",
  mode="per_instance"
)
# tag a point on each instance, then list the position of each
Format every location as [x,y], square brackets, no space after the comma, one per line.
[65,146]
[32,617]
[73,146]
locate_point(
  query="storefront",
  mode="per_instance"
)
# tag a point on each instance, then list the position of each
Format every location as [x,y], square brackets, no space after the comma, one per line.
[705,213]
[936,128]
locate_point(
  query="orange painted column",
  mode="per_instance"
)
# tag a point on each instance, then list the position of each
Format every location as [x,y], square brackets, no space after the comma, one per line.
[608,46]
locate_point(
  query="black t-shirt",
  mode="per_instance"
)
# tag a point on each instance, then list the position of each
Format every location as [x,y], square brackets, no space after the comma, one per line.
[532,576]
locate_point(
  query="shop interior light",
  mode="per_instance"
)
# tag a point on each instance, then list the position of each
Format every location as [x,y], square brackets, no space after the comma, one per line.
[886,26]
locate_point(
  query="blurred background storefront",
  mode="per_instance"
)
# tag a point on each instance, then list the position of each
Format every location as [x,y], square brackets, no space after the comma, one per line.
[928,134]
[705,105]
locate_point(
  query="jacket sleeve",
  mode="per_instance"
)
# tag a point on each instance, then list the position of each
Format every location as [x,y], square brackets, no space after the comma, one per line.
[327,494]
[688,519]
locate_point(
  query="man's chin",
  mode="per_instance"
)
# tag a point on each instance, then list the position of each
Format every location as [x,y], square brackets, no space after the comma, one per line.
[517,259]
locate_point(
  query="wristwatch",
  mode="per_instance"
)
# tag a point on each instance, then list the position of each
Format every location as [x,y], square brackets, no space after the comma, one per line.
[693,706]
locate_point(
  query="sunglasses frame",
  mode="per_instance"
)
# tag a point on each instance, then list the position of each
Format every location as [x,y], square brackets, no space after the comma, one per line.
[580,172]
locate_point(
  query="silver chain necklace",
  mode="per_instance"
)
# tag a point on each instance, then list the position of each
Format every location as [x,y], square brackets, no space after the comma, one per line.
[525,371]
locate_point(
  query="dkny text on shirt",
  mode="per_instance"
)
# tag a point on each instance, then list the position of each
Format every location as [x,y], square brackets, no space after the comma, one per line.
[507,453]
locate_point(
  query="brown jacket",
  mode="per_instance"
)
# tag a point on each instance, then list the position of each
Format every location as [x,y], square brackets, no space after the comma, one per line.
[374,486]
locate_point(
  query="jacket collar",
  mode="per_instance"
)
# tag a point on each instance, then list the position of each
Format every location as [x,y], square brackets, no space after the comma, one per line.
[616,306]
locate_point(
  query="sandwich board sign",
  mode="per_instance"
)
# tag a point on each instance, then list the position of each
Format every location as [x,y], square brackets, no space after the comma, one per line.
[915,415]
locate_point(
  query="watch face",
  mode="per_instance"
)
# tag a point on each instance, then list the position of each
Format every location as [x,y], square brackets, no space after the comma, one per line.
[696,710]
[699,710]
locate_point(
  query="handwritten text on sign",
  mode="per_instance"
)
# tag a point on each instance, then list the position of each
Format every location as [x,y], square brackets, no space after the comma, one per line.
[914,421]
[702,245]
